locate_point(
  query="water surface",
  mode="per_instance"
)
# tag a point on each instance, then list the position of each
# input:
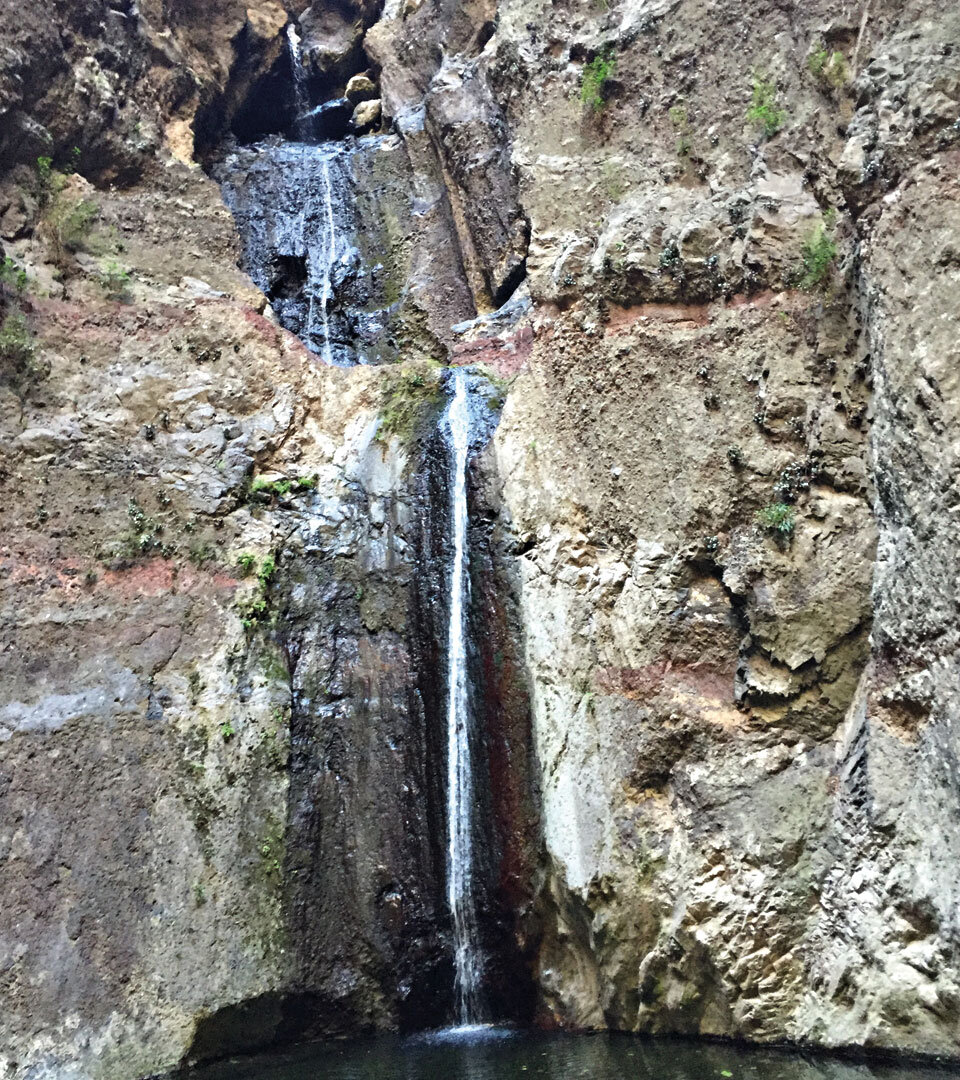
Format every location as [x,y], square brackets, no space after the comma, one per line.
[506,1054]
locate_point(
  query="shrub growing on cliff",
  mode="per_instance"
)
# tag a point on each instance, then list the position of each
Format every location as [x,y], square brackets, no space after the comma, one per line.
[114,281]
[262,489]
[17,350]
[828,67]
[818,254]
[13,276]
[680,121]
[595,77]
[44,179]
[253,608]
[764,112]
[71,222]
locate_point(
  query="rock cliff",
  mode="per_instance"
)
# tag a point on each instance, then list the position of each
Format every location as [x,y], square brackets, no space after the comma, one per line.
[709,258]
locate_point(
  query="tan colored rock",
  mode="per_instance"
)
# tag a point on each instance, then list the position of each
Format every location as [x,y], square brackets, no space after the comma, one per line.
[365,115]
[360,88]
[267,18]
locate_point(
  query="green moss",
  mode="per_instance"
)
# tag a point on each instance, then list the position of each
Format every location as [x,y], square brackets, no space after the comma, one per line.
[409,397]
[273,665]
[680,121]
[271,852]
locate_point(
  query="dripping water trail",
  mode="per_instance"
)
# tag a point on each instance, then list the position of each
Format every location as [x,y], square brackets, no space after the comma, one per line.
[331,255]
[301,97]
[461,801]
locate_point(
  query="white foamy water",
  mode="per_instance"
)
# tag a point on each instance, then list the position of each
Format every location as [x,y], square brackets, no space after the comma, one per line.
[460,795]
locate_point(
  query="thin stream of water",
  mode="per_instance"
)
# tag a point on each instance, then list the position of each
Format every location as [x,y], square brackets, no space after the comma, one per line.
[460,794]
[301,97]
[331,257]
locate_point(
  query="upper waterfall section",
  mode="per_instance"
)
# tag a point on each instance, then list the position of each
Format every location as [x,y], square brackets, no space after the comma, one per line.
[316,244]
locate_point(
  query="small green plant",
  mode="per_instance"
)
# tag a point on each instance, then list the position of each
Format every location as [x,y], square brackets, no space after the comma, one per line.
[735,457]
[253,608]
[73,160]
[764,112]
[794,480]
[115,281]
[71,223]
[17,349]
[199,554]
[594,80]
[199,894]
[245,563]
[44,179]
[13,275]
[828,67]
[146,531]
[680,120]
[227,730]
[778,518]
[670,260]
[267,569]
[262,489]
[818,254]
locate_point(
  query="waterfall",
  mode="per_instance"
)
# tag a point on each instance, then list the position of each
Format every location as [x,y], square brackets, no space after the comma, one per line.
[461,801]
[330,258]
[301,97]
[294,205]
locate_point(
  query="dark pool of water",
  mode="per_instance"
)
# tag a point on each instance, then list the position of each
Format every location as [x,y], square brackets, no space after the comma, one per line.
[506,1054]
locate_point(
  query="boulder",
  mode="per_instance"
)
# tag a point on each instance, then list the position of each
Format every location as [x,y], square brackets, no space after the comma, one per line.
[330,41]
[365,115]
[361,88]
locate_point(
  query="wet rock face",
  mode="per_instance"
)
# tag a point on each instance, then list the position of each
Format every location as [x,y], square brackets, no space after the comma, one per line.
[506,843]
[295,206]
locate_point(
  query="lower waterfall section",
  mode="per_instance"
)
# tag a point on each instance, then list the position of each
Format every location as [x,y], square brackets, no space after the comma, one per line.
[479,764]
[461,733]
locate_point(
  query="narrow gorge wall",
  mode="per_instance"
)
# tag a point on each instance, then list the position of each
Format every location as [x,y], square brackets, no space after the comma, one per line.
[217,803]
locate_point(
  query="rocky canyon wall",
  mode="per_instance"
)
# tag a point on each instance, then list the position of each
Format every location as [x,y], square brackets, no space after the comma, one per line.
[711,255]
